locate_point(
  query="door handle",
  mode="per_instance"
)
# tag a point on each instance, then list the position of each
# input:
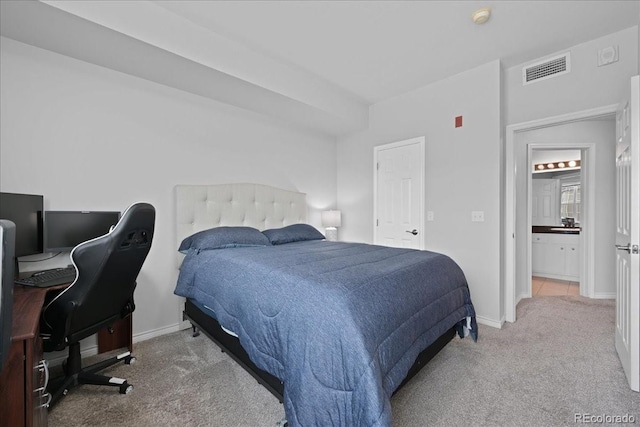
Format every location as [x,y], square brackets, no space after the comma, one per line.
[628,247]
[414,231]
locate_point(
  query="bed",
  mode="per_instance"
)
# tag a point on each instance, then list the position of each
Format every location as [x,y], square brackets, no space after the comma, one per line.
[332,329]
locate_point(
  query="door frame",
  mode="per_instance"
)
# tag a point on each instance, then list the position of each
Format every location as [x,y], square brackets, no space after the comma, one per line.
[509,231]
[588,194]
[420,140]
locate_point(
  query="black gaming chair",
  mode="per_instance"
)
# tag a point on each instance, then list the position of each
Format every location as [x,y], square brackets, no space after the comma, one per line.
[107,269]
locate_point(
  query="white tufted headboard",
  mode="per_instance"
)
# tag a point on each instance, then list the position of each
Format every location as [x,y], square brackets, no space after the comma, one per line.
[199,207]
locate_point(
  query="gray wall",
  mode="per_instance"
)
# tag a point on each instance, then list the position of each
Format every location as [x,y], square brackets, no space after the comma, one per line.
[89,138]
[587,86]
[462,173]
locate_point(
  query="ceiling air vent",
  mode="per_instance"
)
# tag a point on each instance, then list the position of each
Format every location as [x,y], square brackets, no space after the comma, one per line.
[546,69]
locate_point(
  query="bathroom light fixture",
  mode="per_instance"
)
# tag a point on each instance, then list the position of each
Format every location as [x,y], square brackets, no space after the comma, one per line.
[543,167]
[481,15]
[331,220]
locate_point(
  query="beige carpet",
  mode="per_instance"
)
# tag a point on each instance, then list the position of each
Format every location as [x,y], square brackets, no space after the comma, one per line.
[557,361]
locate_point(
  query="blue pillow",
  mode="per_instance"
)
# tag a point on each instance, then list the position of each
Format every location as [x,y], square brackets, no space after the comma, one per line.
[224,237]
[292,233]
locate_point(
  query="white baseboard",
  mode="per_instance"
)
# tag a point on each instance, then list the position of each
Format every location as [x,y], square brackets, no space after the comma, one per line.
[604,295]
[523,296]
[58,357]
[147,335]
[557,276]
[91,349]
[490,322]
[184,324]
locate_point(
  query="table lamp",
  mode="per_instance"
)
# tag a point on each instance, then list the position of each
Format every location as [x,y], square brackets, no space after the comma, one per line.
[331,220]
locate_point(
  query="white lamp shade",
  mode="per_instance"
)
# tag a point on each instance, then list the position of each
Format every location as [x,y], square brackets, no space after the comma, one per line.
[331,219]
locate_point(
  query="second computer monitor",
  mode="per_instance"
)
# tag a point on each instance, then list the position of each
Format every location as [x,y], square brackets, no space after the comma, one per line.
[25,211]
[64,230]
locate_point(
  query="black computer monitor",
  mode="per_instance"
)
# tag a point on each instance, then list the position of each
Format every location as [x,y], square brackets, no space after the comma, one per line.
[25,211]
[7,263]
[64,230]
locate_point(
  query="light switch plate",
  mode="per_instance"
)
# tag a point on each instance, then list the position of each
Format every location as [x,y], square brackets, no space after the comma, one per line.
[477,216]
[429,215]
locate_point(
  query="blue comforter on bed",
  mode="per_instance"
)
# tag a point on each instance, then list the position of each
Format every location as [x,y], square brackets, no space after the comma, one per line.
[339,323]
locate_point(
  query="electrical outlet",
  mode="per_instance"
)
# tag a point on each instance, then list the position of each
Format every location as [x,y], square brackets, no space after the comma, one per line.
[429,215]
[477,216]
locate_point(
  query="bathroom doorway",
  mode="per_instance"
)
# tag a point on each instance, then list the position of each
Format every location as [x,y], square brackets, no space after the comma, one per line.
[556,218]
[595,139]
[592,132]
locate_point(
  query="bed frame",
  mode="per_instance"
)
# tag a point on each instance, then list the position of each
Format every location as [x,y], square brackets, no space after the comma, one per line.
[201,321]
[200,207]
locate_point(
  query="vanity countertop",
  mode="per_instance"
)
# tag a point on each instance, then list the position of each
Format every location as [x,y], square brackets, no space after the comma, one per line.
[555,229]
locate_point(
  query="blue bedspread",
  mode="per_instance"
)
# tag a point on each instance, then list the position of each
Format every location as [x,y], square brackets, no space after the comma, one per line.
[340,323]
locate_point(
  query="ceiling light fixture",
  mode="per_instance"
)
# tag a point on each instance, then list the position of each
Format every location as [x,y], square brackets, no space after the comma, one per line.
[481,15]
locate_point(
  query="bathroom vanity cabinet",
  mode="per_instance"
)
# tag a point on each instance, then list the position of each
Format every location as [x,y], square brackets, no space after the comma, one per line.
[556,256]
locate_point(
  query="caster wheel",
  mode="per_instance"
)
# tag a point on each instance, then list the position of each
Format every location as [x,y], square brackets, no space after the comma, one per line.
[130,360]
[126,388]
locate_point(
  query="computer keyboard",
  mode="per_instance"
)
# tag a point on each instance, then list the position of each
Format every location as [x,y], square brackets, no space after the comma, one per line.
[44,279]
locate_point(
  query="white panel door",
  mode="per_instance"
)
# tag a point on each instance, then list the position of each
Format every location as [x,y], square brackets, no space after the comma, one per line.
[627,334]
[399,194]
[544,198]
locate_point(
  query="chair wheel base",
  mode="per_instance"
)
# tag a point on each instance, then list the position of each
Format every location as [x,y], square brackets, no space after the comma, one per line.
[126,388]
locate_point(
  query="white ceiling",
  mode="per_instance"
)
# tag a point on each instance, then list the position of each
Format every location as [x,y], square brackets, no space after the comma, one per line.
[314,64]
[379,49]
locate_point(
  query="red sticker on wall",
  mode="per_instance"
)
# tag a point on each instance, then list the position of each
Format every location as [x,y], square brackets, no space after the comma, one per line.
[459,121]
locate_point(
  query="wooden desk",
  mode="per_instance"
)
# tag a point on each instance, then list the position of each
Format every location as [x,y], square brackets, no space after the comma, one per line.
[23,398]
[22,379]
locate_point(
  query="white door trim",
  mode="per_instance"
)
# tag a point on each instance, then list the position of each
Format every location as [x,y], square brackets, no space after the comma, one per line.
[587,181]
[509,269]
[421,142]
